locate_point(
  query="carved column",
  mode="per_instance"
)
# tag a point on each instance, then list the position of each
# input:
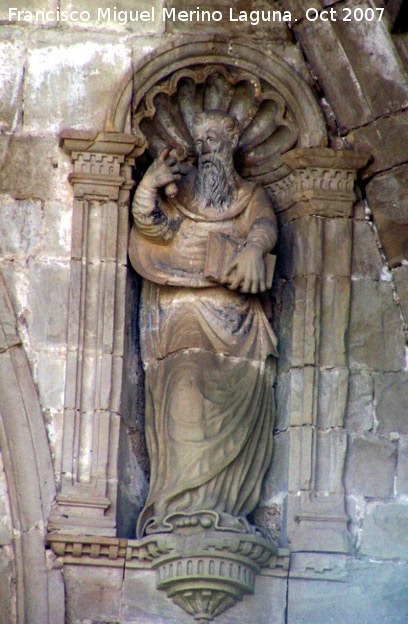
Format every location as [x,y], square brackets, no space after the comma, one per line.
[102,181]
[314,206]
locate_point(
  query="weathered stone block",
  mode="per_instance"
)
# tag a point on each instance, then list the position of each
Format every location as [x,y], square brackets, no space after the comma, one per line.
[54,424]
[384,139]
[291,54]
[33,5]
[401,282]
[20,226]
[306,320]
[330,453]
[384,84]
[332,397]
[8,331]
[45,169]
[12,54]
[337,247]
[363,87]
[366,258]
[48,301]
[286,305]
[283,395]
[57,229]
[401,43]
[56,590]
[370,466]
[229,21]
[385,532]
[93,593]
[296,397]
[70,79]
[5,514]
[298,8]
[301,247]
[8,596]
[317,522]
[16,286]
[391,401]
[375,335]
[356,507]
[360,404]
[402,467]
[125,16]
[143,604]
[276,479]
[300,458]
[19,395]
[351,109]
[359,211]
[51,379]
[375,592]
[388,201]
[318,566]
[334,320]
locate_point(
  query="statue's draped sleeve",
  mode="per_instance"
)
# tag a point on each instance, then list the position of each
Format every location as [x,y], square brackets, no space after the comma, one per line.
[168,243]
[261,221]
[155,219]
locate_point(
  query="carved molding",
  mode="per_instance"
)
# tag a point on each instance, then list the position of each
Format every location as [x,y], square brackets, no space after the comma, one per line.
[144,553]
[319,567]
[321,182]
[99,171]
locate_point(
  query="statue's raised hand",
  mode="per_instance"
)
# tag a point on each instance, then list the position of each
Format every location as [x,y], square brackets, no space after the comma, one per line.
[163,171]
[246,271]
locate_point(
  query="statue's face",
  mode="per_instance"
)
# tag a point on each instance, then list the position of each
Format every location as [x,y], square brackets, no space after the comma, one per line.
[215,137]
[211,141]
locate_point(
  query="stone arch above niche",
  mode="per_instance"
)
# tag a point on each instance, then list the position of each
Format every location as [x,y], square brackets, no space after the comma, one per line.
[276,109]
[165,117]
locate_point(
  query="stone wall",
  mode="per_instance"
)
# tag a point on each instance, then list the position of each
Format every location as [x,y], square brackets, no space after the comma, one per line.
[58,75]
[8,600]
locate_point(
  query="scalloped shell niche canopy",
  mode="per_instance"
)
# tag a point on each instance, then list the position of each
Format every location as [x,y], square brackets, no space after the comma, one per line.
[165,117]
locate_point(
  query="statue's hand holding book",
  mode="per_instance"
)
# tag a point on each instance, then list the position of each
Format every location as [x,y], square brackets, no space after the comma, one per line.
[239,267]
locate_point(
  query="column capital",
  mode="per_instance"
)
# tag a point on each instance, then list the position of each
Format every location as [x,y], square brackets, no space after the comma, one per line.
[98,162]
[320,182]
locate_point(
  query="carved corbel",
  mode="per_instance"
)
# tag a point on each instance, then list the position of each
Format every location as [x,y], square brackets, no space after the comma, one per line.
[101,180]
[314,205]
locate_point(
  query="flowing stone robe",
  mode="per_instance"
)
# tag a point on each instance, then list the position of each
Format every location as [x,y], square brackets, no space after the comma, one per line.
[207,357]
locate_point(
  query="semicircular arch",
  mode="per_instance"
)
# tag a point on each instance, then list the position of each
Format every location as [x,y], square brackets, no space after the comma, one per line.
[28,468]
[272,70]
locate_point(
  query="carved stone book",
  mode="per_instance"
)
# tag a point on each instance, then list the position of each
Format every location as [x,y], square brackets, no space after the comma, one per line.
[221,249]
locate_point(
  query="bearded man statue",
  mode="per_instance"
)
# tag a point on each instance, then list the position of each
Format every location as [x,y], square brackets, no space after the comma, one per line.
[207,347]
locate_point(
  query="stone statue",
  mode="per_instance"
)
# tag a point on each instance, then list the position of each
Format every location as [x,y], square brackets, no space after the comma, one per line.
[207,347]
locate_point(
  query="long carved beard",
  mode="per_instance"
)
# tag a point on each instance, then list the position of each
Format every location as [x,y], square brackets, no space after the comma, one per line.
[215,183]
